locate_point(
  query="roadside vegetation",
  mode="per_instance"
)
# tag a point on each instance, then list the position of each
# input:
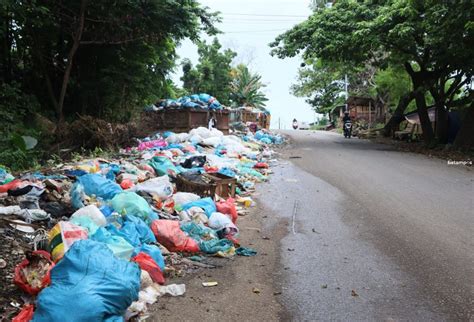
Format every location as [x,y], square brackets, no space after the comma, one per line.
[410,55]
[69,70]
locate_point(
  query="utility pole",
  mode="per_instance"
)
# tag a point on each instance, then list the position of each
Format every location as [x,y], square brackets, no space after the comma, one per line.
[279,124]
[346,85]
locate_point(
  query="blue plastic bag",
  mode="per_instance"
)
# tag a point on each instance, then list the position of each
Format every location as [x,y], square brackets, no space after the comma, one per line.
[88,284]
[206,203]
[116,243]
[136,231]
[95,184]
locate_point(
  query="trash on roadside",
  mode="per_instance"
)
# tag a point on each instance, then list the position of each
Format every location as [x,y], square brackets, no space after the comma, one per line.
[117,229]
[33,273]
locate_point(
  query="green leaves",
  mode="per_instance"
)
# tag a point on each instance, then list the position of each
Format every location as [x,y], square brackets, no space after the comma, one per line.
[213,73]
[246,88]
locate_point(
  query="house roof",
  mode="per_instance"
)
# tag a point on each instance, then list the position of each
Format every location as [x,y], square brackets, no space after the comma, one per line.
[360,100]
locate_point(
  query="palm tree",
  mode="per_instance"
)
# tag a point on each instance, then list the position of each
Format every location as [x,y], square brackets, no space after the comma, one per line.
[246,88]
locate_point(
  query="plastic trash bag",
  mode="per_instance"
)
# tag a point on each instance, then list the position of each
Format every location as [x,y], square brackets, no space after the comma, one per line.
[93,213]
[163,166]
[220,221]
[155,253]
[62,236]
[228,172]
[196,161]
[215,246]
[198,232]
[117,244]
[95,184]
[206,203]
[195,214]
[160,187]
[245,251]
[33,273]
[182,198]
[136,231]
[228,208]
[77,195]
[130,203]
[147,263]
[89,284]
[212,141]
[26,314]
[169,234]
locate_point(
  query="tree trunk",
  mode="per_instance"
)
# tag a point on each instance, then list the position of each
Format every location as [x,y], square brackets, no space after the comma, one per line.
[465,138]
[428,135]
[67,73]
[397,116]
[441,123]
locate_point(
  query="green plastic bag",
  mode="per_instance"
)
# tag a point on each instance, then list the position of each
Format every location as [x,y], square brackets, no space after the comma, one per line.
[129,203]
[215,245]
[164,166]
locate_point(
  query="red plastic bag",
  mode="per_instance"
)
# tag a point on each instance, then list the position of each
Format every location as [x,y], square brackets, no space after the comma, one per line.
[126,184]
[228,208]
[261,165]
[33,273]
[169,234]
[12,185]
[26,314]
[147,263]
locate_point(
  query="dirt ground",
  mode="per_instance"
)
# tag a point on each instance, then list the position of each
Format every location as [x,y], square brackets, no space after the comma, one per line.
[248,287]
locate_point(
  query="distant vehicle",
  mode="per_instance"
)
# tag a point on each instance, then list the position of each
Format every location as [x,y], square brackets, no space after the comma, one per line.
[303,126]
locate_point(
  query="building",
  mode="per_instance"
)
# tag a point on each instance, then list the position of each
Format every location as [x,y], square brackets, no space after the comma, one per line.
[359,107]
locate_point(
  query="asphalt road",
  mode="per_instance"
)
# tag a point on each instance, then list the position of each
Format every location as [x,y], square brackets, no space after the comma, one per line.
[372,233]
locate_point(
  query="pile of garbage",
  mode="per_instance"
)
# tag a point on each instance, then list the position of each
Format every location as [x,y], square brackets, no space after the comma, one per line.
[200,101]
[98,239]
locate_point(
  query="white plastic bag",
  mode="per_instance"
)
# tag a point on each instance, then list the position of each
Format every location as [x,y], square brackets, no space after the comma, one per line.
[93,213]
[159,186]
[212,141]
[182,198]
[220,221]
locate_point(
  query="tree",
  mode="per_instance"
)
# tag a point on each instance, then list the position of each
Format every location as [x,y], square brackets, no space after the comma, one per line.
[246,88]
[104,58]
[429,38]
[212,74]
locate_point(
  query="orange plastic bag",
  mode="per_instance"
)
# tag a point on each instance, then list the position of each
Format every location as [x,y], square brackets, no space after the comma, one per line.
[169,234]
[26,314]
[228,208]
[147,263]
[33,273]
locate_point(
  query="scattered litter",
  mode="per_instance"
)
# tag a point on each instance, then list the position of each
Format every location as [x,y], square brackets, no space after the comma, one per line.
[118,229]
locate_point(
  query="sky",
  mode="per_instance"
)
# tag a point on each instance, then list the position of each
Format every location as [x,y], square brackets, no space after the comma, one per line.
[249,26]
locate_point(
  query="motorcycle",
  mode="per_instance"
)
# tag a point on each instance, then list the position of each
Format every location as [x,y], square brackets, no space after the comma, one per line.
[295,125]
[347,129]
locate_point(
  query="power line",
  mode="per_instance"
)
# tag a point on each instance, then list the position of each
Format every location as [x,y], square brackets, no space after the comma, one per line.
[261,20]
[252,31]
[262,15]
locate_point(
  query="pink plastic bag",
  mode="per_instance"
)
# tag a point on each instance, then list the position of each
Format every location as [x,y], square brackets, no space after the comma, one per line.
[228,208]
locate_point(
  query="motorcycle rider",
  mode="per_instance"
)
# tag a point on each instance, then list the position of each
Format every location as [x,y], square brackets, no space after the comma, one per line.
[295,124]
[346,117]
